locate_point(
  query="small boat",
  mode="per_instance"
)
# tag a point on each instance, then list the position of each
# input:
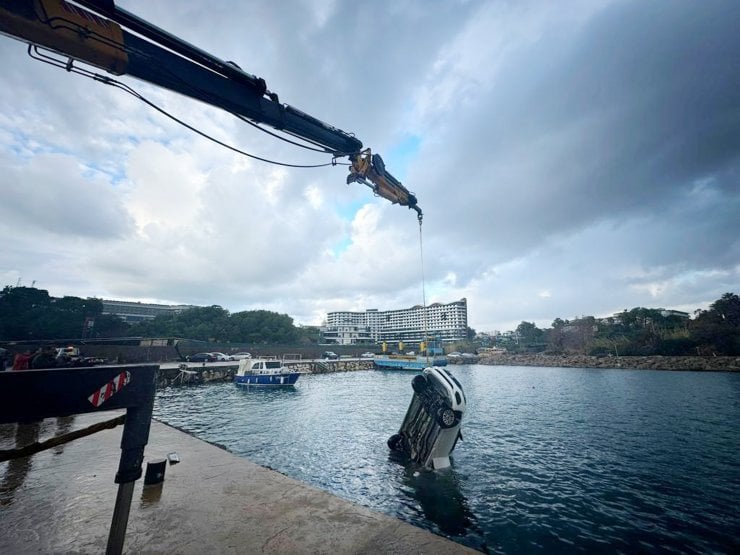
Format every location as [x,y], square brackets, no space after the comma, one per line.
[431,355]
[431,427]
[264,372]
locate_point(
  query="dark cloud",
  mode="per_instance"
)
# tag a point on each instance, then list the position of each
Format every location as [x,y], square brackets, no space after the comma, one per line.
[572,158]
[617,118]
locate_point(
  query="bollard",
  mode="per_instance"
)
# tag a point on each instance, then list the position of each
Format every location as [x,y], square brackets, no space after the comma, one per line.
[155,472]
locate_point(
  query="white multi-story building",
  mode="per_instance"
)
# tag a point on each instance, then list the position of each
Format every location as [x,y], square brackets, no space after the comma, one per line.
[446,322]
[132,312]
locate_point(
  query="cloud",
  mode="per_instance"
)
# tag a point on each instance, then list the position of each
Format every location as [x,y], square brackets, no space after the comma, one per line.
[570,158]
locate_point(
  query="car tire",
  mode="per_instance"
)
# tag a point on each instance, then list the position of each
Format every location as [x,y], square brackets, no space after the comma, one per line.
[446,417]
[419,383]
[394,442]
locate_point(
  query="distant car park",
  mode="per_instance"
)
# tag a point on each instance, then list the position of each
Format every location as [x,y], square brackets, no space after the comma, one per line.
[201,357]
[240,356]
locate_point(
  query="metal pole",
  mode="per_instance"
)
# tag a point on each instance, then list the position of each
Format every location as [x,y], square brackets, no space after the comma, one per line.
[120,519]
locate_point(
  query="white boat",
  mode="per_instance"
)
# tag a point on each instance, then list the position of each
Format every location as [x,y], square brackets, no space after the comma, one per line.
[431,427]
[264,372]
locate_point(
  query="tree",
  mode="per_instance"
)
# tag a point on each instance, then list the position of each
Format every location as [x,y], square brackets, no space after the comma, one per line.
[529,333]
[30,313]
[717,330]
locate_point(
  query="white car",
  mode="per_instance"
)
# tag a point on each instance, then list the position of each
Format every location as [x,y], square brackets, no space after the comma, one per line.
[221,357]
[367,355]
[431,427]
[240,356]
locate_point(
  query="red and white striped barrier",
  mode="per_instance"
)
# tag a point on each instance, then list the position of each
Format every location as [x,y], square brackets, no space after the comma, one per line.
[109,389]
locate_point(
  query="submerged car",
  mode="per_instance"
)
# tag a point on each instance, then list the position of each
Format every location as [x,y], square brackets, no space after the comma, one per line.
[431,427]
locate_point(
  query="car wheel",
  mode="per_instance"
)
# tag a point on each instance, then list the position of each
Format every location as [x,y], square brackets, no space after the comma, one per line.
[394,442]
[419,383]
[446,417]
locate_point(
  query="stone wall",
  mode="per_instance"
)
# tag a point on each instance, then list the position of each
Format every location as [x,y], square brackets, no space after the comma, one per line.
[727,364]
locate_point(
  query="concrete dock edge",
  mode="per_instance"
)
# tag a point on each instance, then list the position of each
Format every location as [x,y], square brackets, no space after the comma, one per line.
[61,501]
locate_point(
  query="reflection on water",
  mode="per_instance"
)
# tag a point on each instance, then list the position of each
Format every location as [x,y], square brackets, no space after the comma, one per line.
[18,469]
[151,494]
[439,496]
[64,426]
[554,460]
[442,502]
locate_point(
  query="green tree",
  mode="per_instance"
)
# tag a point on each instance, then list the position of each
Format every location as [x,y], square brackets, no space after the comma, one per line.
[30,313]
[529,333]
[717,330]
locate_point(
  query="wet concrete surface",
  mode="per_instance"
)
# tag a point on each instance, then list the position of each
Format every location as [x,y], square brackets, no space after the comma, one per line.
[61,501]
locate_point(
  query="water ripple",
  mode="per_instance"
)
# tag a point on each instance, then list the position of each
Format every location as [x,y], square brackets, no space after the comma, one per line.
[552,460]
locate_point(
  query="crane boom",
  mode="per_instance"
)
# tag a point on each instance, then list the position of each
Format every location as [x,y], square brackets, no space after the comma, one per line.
[99,33]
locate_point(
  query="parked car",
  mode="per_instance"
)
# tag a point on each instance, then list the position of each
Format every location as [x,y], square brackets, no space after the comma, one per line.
[201,357]
[221,357]
[330,355]
[240,356]
[367,355]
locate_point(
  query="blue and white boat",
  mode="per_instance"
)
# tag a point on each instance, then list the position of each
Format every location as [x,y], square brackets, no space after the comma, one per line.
[264,372]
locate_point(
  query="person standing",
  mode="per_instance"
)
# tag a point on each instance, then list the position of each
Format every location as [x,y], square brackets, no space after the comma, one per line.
[45,358]
[22,361]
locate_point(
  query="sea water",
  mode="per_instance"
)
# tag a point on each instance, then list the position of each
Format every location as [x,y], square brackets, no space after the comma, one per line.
[552,459]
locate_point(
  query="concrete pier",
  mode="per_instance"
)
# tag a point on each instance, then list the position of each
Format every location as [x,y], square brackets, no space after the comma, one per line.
[61,500]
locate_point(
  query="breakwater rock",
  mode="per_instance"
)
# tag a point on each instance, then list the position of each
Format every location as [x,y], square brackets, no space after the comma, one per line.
[725,364]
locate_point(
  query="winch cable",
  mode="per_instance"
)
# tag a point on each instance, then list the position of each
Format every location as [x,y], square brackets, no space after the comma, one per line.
[423,293]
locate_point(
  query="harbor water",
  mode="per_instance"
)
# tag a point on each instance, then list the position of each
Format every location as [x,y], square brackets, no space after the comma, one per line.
[552,459]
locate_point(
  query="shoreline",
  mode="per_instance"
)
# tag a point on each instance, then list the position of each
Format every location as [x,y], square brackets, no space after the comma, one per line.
[680,363]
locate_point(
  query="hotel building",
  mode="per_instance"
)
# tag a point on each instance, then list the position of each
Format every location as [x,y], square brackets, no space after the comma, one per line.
[132,312]
[446,322]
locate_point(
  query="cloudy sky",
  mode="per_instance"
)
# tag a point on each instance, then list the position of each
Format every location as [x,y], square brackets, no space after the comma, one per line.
[571,158]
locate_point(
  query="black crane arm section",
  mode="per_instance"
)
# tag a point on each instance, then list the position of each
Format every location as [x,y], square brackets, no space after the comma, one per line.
[99,33]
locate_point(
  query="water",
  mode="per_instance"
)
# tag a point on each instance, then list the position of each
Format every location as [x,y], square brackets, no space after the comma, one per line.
[552,460]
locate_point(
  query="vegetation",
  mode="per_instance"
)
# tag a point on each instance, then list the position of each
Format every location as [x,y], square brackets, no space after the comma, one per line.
[213,323]
[27,313]
[30,314]
[640,331]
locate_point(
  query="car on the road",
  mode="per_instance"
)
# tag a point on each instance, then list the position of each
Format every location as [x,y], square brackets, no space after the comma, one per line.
[201,357]
[330,355]
[367,355]
[221,357]
[240,356]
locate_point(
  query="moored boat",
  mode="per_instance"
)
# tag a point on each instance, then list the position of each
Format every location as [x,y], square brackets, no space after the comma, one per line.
[264,372]
[408,362]
[431,354]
